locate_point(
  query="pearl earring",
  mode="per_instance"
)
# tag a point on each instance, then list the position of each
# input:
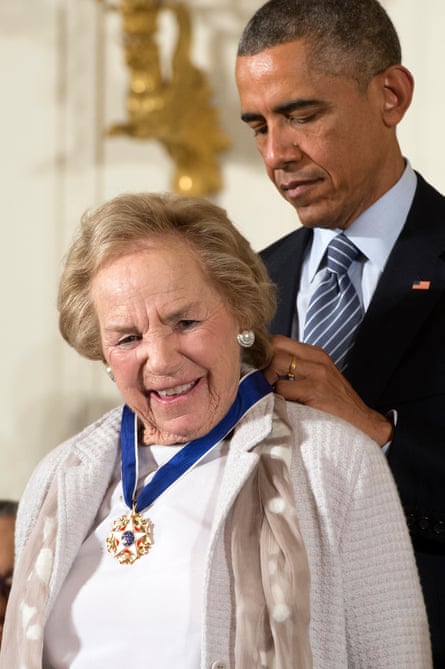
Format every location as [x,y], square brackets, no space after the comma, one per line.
[109,371]
[246,338]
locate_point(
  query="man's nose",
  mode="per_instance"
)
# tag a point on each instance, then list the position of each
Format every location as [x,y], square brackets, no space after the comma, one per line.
[281,147]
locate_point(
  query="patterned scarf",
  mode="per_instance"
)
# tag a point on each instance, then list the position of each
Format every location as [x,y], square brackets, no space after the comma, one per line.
[271,571]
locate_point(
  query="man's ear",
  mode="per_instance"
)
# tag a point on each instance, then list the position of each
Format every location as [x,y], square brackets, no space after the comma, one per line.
[398,88]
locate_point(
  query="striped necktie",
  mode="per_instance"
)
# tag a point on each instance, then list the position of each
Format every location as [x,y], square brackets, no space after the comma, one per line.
[334,310]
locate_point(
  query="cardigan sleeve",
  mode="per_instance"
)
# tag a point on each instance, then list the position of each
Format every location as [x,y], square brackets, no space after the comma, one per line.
[384,609]
[367,603]
[34,494]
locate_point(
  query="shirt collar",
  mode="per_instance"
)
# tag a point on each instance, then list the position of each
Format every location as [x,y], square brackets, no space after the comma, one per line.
[375,231]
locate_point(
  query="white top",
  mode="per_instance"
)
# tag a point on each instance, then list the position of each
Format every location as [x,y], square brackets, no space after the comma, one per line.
[87,627]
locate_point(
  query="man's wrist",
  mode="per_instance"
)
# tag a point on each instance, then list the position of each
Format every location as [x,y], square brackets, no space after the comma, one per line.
[383,429]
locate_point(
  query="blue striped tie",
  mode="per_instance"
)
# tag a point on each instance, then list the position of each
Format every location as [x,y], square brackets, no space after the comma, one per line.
[334,311]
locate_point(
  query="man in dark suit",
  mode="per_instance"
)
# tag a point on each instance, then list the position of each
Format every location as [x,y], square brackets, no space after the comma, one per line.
[322,86]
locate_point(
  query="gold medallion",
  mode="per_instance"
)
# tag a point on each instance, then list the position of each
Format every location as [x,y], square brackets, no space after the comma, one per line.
[131,536]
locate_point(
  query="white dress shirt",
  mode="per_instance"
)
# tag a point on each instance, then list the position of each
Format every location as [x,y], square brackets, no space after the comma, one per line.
[374,233]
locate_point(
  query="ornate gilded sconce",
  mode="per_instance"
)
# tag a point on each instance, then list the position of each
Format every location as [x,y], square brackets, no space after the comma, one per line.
[176,111]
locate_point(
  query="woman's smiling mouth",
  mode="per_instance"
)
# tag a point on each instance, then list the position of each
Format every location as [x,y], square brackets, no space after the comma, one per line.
[176,390]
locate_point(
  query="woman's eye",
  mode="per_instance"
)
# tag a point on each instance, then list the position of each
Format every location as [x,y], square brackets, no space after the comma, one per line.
[129,339]
[187,324]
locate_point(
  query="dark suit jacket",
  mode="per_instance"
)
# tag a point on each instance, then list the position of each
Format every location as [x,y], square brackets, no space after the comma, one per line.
[398,359]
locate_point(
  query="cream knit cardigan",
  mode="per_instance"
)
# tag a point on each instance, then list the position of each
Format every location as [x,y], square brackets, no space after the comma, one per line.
[367,610]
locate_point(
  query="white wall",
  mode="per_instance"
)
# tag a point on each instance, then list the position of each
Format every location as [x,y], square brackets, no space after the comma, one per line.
[63,82]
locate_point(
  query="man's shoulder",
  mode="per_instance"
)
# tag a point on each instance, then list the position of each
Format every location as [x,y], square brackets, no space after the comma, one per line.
[288,245]
[426,216]
[427,193]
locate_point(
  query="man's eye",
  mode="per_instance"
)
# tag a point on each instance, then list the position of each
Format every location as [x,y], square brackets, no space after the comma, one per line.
[301,120]
[260,130]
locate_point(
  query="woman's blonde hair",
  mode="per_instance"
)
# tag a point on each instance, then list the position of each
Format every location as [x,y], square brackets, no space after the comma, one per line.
[124,223]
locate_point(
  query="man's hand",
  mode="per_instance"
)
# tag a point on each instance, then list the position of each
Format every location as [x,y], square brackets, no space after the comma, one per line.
[319,384]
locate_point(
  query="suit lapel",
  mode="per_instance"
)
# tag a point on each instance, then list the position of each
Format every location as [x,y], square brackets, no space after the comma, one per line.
[397,311]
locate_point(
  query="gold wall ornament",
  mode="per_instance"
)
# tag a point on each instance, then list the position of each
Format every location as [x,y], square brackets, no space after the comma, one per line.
[176,110]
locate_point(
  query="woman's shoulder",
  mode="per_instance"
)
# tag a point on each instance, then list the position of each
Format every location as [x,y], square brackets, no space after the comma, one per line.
[328,444]
[86,445]
[323,428]
[99,431]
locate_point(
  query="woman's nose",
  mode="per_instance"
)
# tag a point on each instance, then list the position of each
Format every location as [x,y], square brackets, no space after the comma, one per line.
[160,354]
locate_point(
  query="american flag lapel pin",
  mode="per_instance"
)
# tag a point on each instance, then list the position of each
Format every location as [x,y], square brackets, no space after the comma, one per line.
[421,285]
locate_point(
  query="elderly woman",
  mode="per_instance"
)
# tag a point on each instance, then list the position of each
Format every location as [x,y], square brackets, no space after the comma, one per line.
[207,522]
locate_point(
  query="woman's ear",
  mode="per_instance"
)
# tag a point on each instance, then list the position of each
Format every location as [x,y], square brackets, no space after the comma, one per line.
[398,88]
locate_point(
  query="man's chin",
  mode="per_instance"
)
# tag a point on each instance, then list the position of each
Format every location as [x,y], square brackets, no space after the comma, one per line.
[310,218]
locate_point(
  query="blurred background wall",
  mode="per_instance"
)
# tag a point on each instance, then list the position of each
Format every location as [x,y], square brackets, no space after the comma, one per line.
[64,83]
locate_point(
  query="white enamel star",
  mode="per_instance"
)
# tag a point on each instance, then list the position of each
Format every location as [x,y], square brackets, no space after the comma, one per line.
[131,536]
